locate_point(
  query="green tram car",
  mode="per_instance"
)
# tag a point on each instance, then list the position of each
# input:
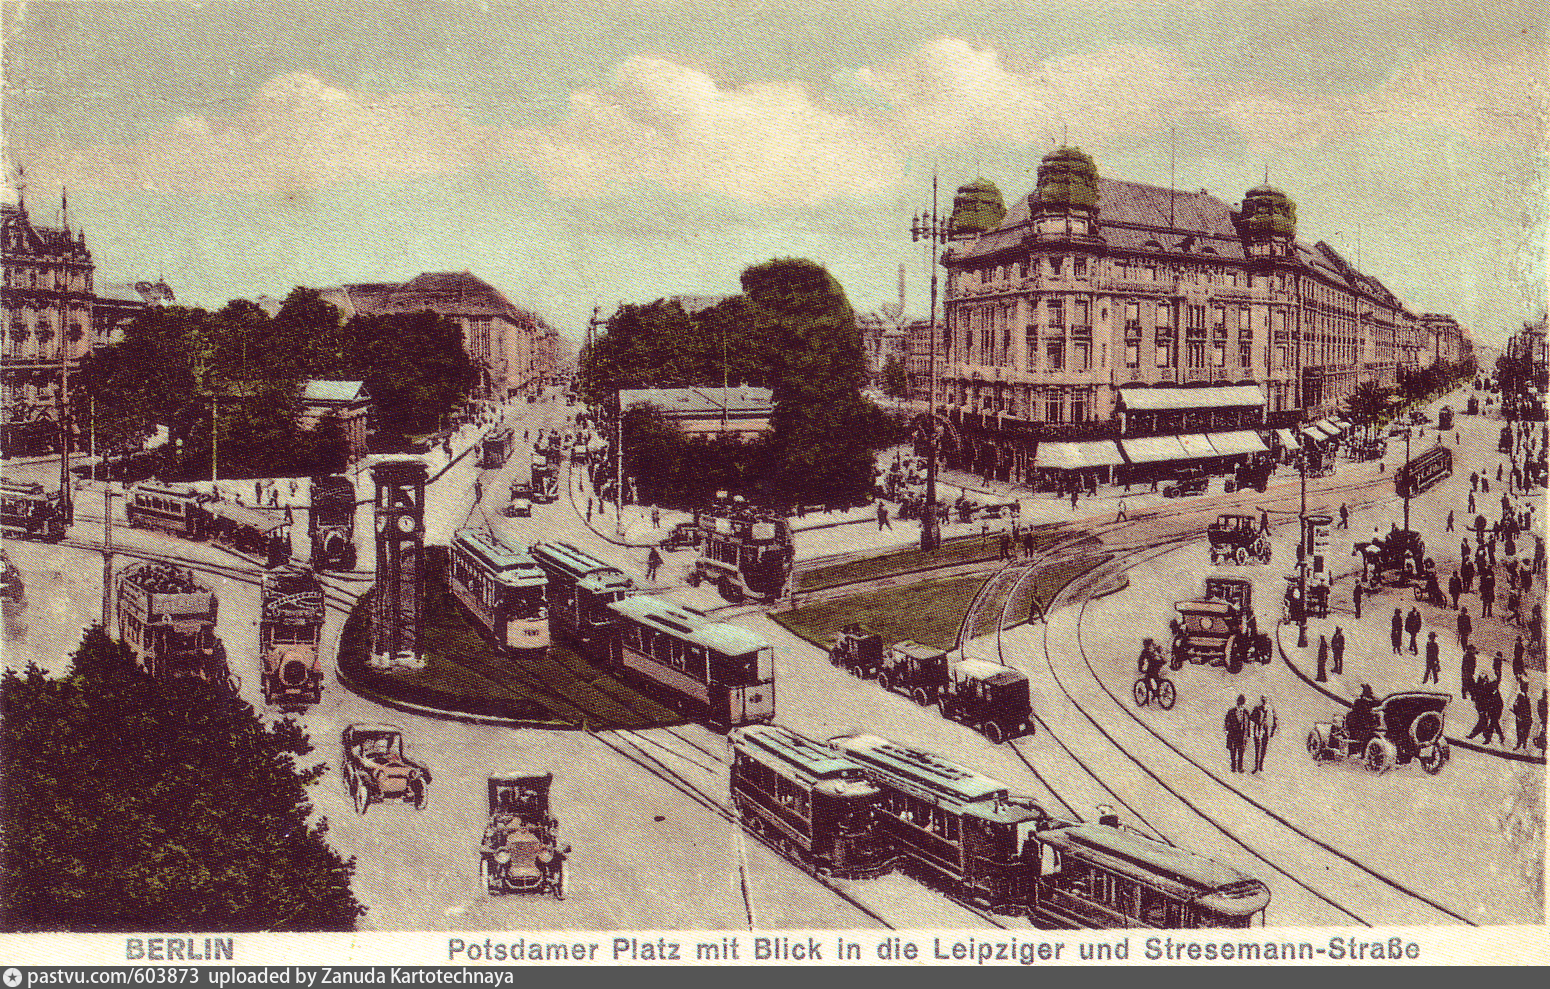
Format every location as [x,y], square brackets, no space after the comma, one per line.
[964,828]
[580,589]
[503,590]
[724,671]
[810,803]
[1006,853]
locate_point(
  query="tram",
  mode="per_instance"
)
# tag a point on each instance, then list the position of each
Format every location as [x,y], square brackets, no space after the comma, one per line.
[580,588]
[808,801]
[290,631]
[30,510]
[1105,876]
[964,828]
[174,508]
[1423,471]
[502,589]
[181,509]
[721,670]
[331,523]
[495,448]
[745,552]
[250,530]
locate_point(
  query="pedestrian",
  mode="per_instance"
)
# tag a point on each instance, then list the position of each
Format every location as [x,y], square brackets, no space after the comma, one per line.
[1536,623]
[1345,516]
[1477,691]
[1487,593]
[1262,727]
[1514,608]
[1465,626]
[1455,588]
[1496,665]
[656,518]
[258,493]
[1028,544]
[1236,726]
[1006,545]
[653,561]
[1467,672]
[1543,694]
[1519,671]
[1498,472]
[1337,650]
[274,497]
[1485,485]
[1493,709]
[1073,498]
[1449,527]
[1120,516]
[1471,501]
[1474,481]
[1433,660]
[1356,598]
[1522,716]
[1479,529]
[1467,574]
[882,518]
[1413,626]
[1397,631]
[478,491]
[589,511]
[1264,520]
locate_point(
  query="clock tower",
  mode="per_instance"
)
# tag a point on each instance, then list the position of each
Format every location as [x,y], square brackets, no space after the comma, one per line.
[398,600]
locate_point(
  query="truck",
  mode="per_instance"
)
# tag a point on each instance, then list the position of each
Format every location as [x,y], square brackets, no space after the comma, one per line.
[290,630]
[167,618]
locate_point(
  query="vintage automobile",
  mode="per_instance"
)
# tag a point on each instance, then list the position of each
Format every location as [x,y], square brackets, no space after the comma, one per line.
[991,698]
[1237,539]
[681,536]
[858,652]
[519,853]
[1407,725]
[1254,475]
[1397,558]
[375,768]
[1186,482]
[1445,417]
[1220,629]
[521,500]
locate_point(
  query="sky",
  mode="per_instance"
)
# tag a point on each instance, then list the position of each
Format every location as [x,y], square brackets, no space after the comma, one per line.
[586,154]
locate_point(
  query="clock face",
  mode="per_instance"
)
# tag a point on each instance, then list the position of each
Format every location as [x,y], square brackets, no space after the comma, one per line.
[406,523]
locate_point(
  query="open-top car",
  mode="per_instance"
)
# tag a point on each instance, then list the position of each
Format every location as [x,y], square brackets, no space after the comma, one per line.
[519,852]
[375,768]
[681,536]
[1401,727]
[1396,558]
[1186,482]
[521,500]
[1238,539]
[859,652]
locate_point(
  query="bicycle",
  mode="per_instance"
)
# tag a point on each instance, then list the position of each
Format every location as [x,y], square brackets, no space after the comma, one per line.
[1148,688]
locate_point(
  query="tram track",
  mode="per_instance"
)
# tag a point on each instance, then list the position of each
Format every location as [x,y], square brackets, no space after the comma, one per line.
[1366,871]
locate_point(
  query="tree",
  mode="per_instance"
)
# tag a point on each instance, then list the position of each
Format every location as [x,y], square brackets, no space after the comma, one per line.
[135,803]
[1369,402]
[147,379]
[413,365]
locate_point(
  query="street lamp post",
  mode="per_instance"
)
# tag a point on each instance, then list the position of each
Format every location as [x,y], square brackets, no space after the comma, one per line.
[1302,546]
[935,229]
[107,557]
[1404,484]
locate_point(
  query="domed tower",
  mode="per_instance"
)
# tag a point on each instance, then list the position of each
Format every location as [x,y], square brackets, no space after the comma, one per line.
[1066,200]
[1267,222]
[977,208]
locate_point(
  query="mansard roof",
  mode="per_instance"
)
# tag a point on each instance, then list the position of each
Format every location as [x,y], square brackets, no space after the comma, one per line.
[444,292]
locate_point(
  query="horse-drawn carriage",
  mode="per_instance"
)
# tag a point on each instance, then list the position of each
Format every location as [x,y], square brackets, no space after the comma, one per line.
[1386,733]
[1397,558]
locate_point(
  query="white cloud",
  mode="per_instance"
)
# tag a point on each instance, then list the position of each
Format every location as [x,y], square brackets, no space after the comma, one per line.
[675,127]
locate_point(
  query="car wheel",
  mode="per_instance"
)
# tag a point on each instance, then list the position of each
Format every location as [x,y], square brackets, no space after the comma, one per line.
[695,577]
[994,732]
[1166,695]
[919,696]
[1379,758]
[834,657]
[944,708]
[1315,745]
[1242,557]
[1432,760]
[884,680]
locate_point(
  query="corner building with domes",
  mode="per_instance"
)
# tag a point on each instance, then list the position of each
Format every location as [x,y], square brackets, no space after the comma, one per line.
[1120,331]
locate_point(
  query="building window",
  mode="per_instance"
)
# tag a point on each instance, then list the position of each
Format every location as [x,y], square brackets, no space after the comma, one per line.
[1079,267]
[1083,314]
[1057,313]
[1054,406]
[1081,355]
[1219,353]
[1132,353]
[1081,403]
[1055,353]
[1164,347]
[1056,266]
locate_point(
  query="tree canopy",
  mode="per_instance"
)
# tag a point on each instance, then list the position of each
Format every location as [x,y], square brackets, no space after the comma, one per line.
[158,805]
[792,330]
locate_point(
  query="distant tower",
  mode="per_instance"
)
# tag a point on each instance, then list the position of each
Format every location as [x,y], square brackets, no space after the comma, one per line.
[398,600]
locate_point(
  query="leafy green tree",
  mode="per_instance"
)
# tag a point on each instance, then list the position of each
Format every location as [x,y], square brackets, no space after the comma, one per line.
[413,365]
[141,804]
[147,379]
[1369,402]
[649,346]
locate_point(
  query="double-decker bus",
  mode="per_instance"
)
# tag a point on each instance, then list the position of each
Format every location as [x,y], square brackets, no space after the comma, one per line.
[504,591]
[290,630]
[580,588]
[721,670]
[809,802]
[495,448]
[746,552]
[168,621]
[331,522]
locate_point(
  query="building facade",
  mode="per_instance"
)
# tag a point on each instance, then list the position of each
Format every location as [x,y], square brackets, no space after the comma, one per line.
[740,412]
[516,352]
[47,306]
[1092,290]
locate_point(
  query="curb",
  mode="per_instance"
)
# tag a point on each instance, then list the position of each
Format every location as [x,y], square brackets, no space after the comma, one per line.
[1459,742]
[387,700]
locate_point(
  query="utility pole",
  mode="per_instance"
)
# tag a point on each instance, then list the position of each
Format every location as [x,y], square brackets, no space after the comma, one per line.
[107,558]
[1302,545]
[935,229]
[215,412]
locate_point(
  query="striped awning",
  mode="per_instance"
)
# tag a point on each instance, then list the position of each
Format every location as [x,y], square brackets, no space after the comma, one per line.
[1314,433]
[1286,439]
[1329,427]
[1218,397]
[1155,449]
[1241,441]
[1070,456]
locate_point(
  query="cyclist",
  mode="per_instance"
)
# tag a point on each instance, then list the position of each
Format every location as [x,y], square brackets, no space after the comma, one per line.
[1152,663]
